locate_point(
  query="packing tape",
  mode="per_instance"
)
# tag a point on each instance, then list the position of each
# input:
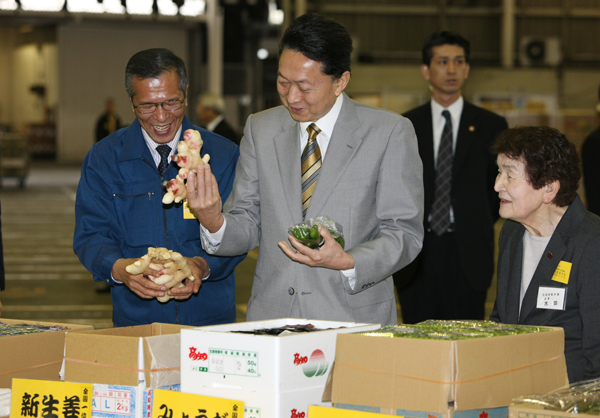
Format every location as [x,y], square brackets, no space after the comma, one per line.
[452,383]
[112,366]
[31,367]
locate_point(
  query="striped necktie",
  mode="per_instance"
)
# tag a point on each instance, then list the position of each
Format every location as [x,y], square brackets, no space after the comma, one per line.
[311,165]
[440,209]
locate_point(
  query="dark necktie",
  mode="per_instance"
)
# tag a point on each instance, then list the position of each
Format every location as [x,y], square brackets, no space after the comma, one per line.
[311,165]
[440,210]
[164,151]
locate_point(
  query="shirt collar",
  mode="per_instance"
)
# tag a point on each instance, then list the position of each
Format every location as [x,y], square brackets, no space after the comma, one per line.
[327,122]
[152,145]
[455,109]
[212,125]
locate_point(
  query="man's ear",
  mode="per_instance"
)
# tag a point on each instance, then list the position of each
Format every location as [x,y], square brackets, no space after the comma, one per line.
[425,71]
[341,83]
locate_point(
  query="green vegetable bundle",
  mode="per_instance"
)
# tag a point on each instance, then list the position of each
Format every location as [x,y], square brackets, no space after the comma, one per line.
[307,232]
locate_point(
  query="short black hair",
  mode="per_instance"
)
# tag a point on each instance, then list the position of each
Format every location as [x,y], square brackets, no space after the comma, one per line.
[444,38]
[319,39]
[548,156]
[152,63]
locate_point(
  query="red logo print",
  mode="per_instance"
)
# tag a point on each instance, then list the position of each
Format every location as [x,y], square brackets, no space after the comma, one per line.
[300,360]
[194,355]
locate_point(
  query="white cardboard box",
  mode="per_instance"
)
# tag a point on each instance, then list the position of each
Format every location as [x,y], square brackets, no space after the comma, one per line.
[216,357]
[292,404]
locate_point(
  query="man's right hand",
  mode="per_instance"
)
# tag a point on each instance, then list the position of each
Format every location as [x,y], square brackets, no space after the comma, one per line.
[204,198]
[138,284]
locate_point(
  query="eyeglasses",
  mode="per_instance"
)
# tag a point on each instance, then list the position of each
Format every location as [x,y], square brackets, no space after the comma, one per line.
[169,105]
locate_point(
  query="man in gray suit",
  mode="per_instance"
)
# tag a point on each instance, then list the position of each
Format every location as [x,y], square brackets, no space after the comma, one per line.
[368,179]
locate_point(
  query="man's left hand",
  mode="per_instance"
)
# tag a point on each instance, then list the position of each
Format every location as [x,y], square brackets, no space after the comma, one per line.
[331,254]
[200,269]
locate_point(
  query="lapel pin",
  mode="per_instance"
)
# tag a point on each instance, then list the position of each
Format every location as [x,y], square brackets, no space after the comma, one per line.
[550,255]
[471,128]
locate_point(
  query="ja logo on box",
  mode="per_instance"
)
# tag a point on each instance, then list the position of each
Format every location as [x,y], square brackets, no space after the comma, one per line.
[316,365]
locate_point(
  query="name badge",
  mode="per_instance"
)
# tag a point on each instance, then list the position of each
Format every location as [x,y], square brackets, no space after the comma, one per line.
[551,298]
[187,213]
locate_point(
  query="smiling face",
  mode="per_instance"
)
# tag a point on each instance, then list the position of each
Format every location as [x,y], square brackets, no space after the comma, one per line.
[161,125]
[304,90]
[519,201]
[447,72]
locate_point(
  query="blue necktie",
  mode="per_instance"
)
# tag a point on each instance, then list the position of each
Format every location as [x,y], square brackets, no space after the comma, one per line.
[164,151]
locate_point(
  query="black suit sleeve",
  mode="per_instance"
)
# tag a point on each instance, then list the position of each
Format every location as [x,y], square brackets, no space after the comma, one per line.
[590,160]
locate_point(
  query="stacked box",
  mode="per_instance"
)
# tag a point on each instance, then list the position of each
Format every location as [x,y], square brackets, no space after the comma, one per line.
[33,355]
[125,365]
[397,372]
[275,376]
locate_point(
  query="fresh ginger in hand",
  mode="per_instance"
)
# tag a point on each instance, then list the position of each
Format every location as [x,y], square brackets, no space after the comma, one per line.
[188,159]
[174,266]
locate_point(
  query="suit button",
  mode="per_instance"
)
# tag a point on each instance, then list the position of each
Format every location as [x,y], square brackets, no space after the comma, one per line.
[291,290]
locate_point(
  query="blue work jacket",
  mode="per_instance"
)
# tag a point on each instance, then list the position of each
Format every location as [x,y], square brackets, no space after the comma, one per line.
[119,214]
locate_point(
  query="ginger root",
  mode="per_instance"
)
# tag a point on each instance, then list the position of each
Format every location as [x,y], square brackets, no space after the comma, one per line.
[188,159]
[173,264]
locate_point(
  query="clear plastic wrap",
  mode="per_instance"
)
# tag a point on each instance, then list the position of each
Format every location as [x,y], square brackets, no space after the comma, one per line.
[577,398]
[307,233]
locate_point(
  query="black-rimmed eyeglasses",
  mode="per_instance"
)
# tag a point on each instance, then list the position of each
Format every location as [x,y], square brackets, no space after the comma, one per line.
[169,105]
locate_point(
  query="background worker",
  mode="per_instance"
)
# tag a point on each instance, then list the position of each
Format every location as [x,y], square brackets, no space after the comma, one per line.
[211,112]
[451,276]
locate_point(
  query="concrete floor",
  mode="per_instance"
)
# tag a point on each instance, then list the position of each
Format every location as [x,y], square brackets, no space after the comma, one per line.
[45,280]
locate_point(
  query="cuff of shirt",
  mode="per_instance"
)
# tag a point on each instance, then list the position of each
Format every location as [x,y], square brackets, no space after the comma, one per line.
[211,242]
[350,274]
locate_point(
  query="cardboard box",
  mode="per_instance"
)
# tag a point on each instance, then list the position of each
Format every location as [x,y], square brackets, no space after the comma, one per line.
[444,377]
[33,356]
[216,357]
[531,411]
[293,404]
[116,401]
[449,413]
[146,355]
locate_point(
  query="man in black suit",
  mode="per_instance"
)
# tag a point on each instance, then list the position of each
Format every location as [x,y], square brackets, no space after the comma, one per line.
[450,278]
[211,110]
[590,160]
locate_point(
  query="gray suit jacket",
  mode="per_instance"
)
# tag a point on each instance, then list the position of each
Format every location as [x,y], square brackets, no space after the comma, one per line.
[370,182]
[577,241]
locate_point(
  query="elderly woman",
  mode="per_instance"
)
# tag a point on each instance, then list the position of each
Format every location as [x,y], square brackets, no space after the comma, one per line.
[549,249]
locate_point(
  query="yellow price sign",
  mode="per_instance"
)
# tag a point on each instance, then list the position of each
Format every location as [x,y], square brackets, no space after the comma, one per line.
[171,404]
[328,412]
[44,398]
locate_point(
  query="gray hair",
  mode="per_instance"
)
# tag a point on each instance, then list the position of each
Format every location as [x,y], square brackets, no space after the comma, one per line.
[212,101]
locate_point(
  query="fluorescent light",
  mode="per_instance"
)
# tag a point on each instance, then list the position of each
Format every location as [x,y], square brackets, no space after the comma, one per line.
[139,7]
[166,7]
[113,6]
[43,5]
[84,6]
[192,8]
[8,5]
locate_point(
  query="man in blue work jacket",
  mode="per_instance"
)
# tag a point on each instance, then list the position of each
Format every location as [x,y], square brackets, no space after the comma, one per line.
[119,210]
